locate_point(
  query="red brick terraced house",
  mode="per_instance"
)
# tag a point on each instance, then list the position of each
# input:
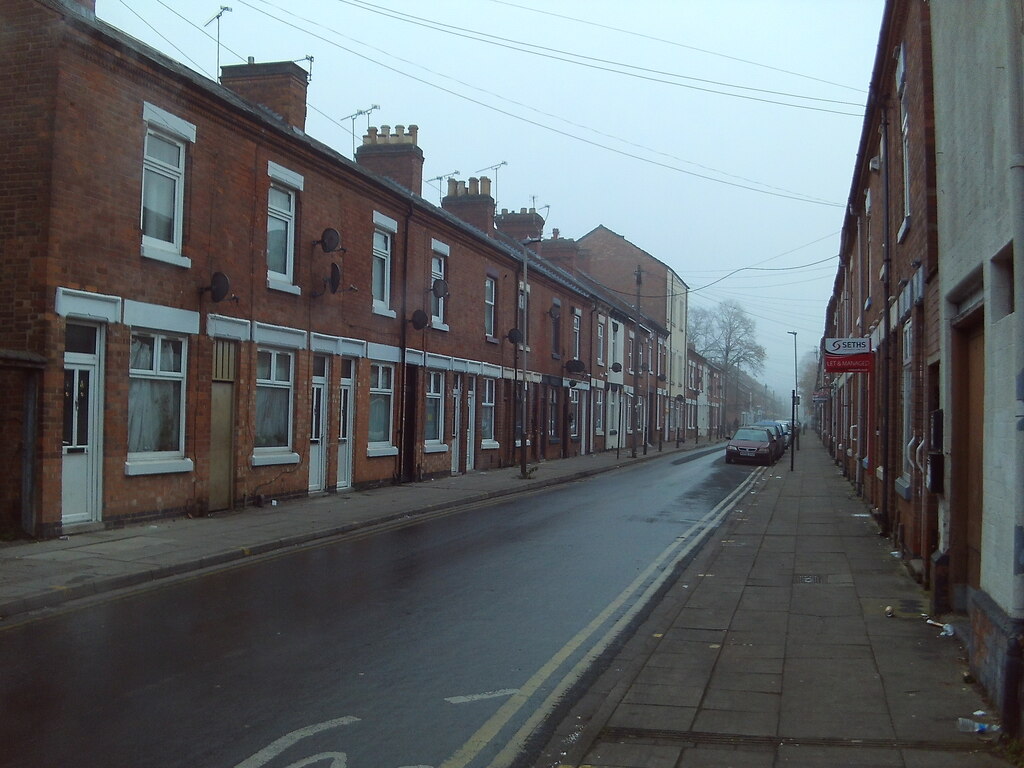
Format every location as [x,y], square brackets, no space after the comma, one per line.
[207,308]
[933,436]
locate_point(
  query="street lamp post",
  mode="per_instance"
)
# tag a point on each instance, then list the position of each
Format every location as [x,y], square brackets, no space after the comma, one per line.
[796,432]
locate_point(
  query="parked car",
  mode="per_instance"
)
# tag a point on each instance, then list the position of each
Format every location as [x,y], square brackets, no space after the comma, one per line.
[754,443]
[787,431]
[773,426]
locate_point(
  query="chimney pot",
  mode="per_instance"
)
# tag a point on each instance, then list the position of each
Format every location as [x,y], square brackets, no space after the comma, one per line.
[474,185]
[462,189]
[554,233]
[485,186]
[385,131]
[453,187]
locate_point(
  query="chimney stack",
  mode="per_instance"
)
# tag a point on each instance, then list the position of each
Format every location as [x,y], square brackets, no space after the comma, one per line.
[473,203]
[280,86]
[520,226]
[394,155]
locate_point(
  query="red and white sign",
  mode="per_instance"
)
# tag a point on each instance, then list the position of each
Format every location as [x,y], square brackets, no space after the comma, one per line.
[849,355]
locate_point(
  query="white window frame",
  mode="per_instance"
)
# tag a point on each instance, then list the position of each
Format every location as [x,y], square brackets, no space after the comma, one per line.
[172,129]
[276,454]
[574,413]
[290,184]
[167,461]
[577,323]
[382,259]
[377,389]
[490,306]
[435,401]
[599,411]
[600,342]
[487,412]
[439,253]
[552,413]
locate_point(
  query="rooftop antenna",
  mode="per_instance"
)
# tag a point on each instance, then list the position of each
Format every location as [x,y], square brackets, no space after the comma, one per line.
[495,169]
[223,9]
[309,58]
[353,117]
[441,178]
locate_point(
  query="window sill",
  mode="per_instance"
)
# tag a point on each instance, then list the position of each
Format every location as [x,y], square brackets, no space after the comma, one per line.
[283,286]
[270,459]
[491,339]
[489,445]
[381,450]
[167,257]
[435,448]
[380,309]
[904,228]
[439,325]
[134,467]
[904,489]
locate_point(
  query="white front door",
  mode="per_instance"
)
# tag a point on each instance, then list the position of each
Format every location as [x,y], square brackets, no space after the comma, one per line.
[82,465]
[470,423]
[456,422]
[318,425]
[345,426]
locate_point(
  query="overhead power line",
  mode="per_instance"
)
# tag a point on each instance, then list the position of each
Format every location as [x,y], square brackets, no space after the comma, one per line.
[592,62]
[678,45]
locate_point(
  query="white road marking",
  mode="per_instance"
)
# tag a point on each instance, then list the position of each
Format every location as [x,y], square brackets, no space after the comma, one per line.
[482,696]
[664,562]
[272,750]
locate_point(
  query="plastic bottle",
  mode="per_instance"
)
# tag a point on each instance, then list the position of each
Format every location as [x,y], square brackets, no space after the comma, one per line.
[966,725]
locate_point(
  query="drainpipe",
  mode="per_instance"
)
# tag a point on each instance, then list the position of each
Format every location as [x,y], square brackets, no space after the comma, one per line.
[886,523]
[403,320]
[1014,30]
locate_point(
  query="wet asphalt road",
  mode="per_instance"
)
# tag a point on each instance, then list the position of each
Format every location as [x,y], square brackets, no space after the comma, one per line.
[429,645]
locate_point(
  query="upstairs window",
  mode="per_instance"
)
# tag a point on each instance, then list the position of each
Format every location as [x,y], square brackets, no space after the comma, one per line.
[490,303]
[163,185]
[280,234]
[384,232]
[438,271]
[577,321]
[282,213]
[600,343]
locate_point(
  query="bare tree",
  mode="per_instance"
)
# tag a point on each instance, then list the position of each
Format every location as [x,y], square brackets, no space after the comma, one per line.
[726,336]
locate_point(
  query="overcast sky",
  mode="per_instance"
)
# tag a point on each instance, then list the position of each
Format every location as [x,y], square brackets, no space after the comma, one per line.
[714,134]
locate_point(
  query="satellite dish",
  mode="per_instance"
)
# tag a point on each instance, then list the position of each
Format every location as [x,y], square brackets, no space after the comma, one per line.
[330,240]
[219,287]
[576,366]
[616,367]
[335,279]
[419,320]
[440,288]
[515,336]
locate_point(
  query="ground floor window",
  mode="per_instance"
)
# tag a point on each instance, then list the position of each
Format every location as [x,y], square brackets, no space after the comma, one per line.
[156,395]
[274,380]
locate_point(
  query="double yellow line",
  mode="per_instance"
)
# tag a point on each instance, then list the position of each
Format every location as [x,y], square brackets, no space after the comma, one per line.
[665,562]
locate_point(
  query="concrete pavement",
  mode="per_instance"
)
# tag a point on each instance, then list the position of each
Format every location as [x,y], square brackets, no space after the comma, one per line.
[774,649]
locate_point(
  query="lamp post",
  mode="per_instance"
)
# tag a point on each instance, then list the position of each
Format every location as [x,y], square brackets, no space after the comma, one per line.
[793,447]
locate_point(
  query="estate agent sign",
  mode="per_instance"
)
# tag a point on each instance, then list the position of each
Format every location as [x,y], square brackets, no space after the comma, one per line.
[849,355]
